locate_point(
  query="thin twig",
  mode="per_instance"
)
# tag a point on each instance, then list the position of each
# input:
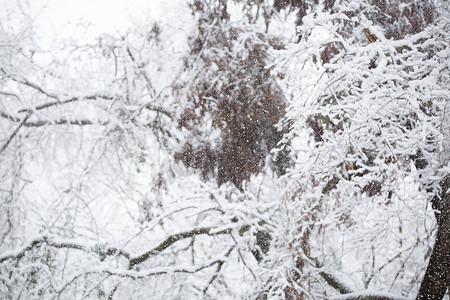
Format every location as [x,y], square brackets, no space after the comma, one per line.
[11,137]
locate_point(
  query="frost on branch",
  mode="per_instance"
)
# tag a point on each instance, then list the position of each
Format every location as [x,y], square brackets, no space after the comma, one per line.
[321,155]
[376,110]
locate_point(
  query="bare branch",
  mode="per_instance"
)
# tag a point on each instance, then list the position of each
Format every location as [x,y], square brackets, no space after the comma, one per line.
[348,294]
[104,251]
[159,110]
[41,123]
[369,295]
[11,137]
[29,112]
[332,280]
[101,250]
[140,274]
[73,99]
[10,95]
[9,117]
[113,291]
[173,239]
[335,283]
[216,274]
[19,254]
[35,86]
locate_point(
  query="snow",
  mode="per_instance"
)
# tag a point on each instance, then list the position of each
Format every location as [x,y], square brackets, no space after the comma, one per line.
[354,202]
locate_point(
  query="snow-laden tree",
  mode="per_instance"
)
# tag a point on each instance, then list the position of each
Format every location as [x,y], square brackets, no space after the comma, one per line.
[370,129]
[235,150]
[83,133]
[94,204]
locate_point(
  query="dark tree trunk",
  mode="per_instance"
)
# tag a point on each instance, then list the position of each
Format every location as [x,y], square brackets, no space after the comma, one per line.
[437,276]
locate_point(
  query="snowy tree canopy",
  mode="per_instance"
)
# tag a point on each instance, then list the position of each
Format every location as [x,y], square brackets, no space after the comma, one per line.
[232,150]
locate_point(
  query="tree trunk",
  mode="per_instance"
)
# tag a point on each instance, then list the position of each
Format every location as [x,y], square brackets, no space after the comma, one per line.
[437,276]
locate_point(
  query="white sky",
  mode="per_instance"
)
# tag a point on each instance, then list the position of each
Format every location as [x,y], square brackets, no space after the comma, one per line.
[62,18]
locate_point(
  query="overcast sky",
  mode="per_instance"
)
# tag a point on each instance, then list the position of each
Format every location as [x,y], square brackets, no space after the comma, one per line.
[62,18]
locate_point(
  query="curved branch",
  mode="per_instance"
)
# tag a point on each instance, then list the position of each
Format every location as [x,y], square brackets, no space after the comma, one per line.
[11,137]
[369,295]
[159,110]
[41,123]
[73,99]
[104,251]
[101,250]
[28,83]
[331,279]
[173,239]
[29,112]
[219,267]
[9,117]
[140,274]
[348,294]
[21,253]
